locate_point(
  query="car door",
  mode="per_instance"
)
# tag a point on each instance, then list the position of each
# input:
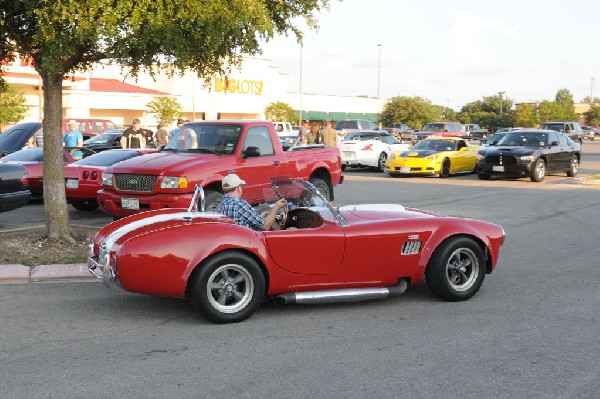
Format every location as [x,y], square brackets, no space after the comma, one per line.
[312,251]
[554,153]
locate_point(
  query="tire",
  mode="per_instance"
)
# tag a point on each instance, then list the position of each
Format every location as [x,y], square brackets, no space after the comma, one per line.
[483,176]
[445,172]
[212,199]
[539,171]
[228,288]
[322,187]
[381,162]
[574,167]
[85,205]
[456,269]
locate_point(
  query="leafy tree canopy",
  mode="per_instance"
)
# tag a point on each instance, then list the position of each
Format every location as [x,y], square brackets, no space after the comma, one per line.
[280,112]
[13,106]
[414,111]
[166,109]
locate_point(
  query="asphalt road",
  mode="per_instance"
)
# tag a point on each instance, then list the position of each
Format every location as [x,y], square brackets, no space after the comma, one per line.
[531,332]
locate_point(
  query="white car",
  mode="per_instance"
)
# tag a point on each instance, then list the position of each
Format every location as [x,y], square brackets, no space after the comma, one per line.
[369,149]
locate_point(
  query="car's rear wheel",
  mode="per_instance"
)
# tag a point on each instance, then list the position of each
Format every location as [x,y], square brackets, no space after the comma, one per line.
[322,187]
[456,270]
[445,172]
[228,288]
[573,168]
[381,161]
[539,170]
[85,205]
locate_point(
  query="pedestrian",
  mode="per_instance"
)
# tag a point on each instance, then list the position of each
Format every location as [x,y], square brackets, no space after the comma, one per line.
[161,137]
[134,136]
[240,210]
[329,136]
[313,134]
[149,136]
[173,132]
[73,139]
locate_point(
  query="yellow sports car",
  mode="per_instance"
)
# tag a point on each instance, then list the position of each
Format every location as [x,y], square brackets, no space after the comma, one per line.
[441,156]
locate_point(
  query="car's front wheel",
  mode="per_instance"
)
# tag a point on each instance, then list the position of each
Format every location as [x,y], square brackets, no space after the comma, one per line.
[573,168]
[456,270]
[445,172]
[228,288]
[539,170]
[381,162]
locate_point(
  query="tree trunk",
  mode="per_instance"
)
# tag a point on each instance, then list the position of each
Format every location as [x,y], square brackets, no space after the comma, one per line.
[55,201]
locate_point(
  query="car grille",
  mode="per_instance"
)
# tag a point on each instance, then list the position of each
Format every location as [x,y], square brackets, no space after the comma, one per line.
[133,182]
[411,247]
[500,160]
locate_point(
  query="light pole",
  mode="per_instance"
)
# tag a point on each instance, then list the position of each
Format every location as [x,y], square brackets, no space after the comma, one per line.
[300,90]
[501,93]
[379,73]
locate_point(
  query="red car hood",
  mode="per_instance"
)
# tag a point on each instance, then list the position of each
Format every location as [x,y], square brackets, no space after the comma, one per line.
[165,163]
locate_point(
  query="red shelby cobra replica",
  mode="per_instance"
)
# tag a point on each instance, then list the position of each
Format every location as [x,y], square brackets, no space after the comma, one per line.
[352,253]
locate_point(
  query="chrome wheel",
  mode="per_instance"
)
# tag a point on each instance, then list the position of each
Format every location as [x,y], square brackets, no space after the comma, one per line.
[230,288]
[381,163]
[462,269]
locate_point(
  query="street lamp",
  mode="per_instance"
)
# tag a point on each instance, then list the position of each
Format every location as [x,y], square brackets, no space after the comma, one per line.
[501,93]
[379,72]
[300,90]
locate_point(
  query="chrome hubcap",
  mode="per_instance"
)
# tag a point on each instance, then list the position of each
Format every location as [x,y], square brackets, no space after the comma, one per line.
[230,288]
[462,269]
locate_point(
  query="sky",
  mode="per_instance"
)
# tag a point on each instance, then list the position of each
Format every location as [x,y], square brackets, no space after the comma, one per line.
[450,52]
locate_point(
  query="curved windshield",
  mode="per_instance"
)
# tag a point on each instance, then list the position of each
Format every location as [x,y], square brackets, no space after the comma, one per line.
[436,145]
[106,158]
[519,139]
[102,138]
[206,137]
[26,155]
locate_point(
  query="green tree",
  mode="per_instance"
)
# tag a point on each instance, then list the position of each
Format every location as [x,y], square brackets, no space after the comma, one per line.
[414,111]
[280,112]
[565,106]
[547,111]
[166,109]
[13,106]
[490,112]
[525,115]
[65,36]
[593,115]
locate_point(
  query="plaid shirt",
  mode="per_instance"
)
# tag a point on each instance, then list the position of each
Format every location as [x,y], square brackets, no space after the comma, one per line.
[241,212]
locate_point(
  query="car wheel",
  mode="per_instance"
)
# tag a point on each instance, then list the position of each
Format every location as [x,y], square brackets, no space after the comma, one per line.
[445,172]
[381,161]
[574,168]
[212,200]
[322,187]
[85,205]
[228,288]
[456,269]
[483,176]
[539,170]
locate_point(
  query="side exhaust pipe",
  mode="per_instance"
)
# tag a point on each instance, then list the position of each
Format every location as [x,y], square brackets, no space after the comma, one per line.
[342,295]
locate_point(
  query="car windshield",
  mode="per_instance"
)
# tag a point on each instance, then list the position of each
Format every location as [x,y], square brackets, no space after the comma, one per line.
[106,158]
[496,137]
[206,137]
[434,127]
[102,138]
[520,139]
[26,155]
[436,145]
[553,126]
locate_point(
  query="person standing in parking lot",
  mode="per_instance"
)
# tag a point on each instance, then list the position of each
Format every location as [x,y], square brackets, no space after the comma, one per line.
[313,134]
[161,137]
[135,136]
[329,136]
[73,138]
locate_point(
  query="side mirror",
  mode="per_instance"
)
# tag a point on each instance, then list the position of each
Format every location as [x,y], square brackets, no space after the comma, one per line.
[252,152]
[554,144]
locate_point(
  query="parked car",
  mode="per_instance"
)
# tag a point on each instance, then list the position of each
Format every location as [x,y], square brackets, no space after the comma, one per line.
[369,149]
[346,126]
[83,178]
[588,133]
[182,253]
[15,137]
[571,129]
[474,130]
[400,130]
[532,153]
[33,160]
[441,156]
[13,187]
[446,129]
[102,142]
[90,127]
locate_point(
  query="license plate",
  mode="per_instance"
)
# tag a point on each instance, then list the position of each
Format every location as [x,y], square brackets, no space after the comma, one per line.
[348,154]
[72,183]
[405,170]
[130,203]
[497,168]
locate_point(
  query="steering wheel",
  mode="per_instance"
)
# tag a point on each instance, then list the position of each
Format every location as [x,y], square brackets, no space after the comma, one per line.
[281,217]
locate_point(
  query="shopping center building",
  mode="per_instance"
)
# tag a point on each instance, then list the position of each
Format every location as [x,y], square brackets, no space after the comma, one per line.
[106,93]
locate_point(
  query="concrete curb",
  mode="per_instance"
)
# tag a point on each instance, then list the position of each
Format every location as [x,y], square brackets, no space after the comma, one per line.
[24,274]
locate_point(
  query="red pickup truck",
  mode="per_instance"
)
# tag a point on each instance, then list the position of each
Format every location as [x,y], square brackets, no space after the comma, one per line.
[203,153]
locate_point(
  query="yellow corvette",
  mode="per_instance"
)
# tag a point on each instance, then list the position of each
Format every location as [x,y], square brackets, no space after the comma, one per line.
[441,156]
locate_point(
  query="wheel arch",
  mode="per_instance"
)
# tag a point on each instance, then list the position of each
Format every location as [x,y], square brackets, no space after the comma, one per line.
[478,240]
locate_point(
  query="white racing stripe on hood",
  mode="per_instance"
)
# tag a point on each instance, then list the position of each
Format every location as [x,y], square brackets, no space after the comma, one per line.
[120,232]
[374,207]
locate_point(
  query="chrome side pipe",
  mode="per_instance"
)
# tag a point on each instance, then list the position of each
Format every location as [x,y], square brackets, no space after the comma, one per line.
[342,295]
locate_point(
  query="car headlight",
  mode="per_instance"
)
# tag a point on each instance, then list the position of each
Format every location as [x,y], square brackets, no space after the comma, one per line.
[480,157]
[392,156]
[526,158]
[174,182]
[107,179]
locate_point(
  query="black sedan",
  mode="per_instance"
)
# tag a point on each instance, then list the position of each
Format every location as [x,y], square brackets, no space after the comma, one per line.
[13,187]
[529,153]
[102,142]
